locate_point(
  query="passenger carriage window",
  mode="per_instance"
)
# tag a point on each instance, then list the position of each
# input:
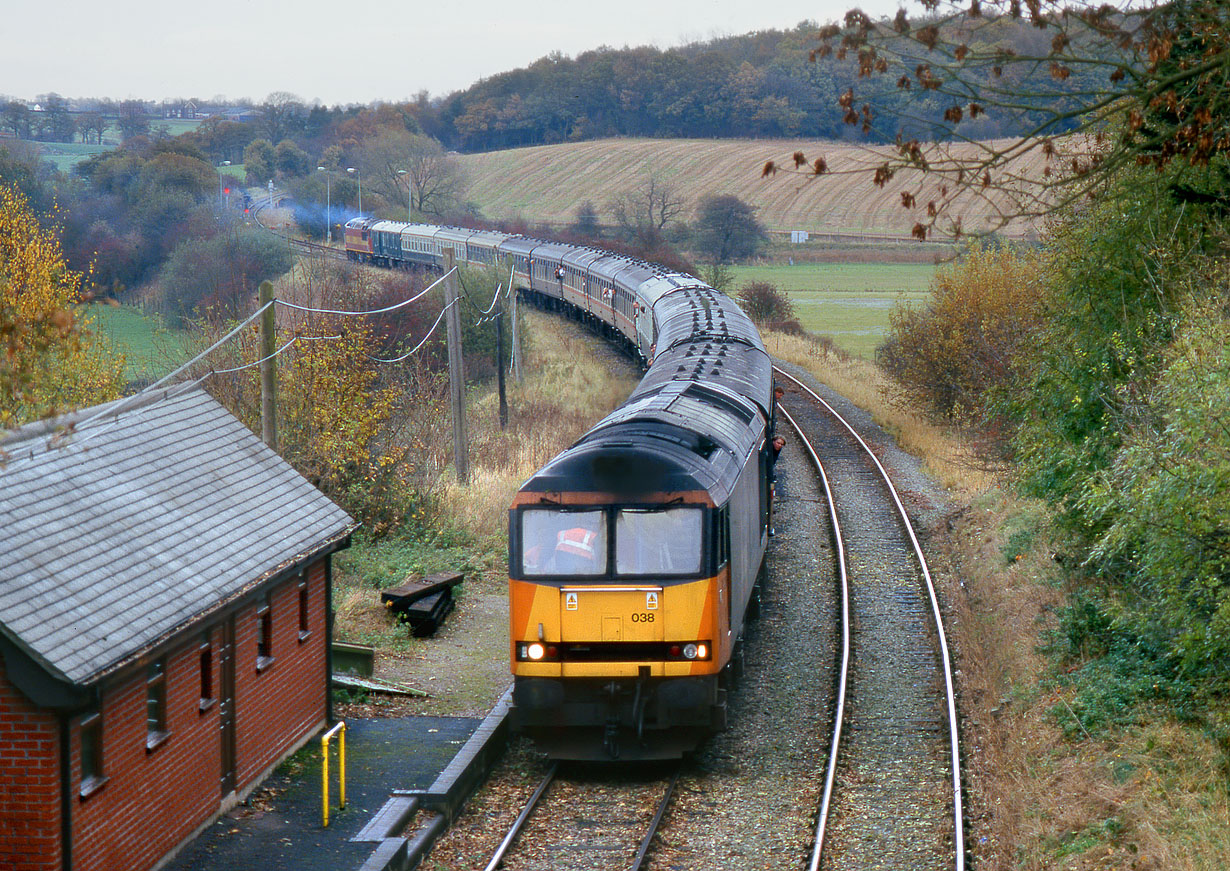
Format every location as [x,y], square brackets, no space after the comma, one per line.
[658,542]
[563,543]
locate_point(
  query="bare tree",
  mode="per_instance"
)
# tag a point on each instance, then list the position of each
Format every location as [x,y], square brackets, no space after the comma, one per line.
[413,169]
[16,116]
[643,213]
[92,126]
[1097,89]
[282,114]
[133,119]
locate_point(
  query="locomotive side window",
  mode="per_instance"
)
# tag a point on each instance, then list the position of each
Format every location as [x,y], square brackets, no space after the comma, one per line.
[658,542]
[563,542]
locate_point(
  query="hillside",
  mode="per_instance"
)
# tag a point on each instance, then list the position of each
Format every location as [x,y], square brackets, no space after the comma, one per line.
[546,184]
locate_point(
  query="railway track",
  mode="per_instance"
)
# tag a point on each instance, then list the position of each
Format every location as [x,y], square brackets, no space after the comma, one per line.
[587,818]
[892,788]
[303,246]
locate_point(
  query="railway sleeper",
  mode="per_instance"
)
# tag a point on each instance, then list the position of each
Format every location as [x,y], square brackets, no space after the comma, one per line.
[627,718]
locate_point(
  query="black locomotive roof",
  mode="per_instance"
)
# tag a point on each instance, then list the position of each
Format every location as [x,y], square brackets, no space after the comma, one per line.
[683,435]
[636,458]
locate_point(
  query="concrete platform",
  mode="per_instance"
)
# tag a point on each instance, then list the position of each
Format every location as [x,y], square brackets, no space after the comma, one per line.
[280,829]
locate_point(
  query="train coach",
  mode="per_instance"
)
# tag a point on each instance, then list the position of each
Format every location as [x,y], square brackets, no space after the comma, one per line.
[635,555]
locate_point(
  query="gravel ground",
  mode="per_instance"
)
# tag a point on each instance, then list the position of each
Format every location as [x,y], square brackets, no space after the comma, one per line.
[749,798]
[892,805]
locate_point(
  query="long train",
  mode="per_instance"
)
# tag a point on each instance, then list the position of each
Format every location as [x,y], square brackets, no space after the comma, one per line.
[634,555]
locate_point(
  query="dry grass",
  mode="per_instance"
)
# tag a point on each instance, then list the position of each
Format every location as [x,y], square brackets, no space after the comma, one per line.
[548,183]
[1150,797]
[564,392]
[944,454]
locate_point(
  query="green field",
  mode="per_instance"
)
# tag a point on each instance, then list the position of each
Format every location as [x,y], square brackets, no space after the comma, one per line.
[152,350]
[849,302]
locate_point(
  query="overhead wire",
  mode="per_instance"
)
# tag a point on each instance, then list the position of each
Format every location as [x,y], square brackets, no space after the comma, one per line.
[411,353]
[120,407]
[378,311]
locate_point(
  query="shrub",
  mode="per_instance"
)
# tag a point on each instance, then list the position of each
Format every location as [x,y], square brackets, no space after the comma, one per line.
[769,308]
[948,354]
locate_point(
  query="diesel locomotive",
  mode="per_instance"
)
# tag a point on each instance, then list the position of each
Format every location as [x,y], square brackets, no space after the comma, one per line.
[635,555]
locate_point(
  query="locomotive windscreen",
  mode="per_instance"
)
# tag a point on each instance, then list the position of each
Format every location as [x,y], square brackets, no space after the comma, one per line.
[563,542]
[648,542]
[657,542]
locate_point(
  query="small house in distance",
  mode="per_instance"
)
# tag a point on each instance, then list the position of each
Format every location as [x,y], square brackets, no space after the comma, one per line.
[164,635]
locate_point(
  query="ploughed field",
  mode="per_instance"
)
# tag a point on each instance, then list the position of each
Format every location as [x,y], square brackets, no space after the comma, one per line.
[546,184]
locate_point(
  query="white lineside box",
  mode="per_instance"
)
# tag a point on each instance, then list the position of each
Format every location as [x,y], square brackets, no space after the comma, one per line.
[798,237]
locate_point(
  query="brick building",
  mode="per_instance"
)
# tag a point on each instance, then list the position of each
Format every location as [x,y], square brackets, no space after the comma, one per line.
[164,638]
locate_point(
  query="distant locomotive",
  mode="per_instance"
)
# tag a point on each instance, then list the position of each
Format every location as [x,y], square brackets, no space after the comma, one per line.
[634,555]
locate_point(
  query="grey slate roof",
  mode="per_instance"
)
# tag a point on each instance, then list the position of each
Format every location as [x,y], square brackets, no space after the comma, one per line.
[140,524]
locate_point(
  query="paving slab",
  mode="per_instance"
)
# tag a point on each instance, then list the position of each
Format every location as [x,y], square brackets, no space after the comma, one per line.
[280,829]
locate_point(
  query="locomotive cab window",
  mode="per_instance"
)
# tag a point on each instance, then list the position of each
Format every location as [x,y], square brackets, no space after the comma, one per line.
[563,543]
[658,541]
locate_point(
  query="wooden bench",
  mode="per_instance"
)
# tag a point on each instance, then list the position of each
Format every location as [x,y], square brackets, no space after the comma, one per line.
[423,602]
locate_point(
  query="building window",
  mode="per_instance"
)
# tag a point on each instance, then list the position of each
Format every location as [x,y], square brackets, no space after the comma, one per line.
[92,777]
[305,629]
[208,699]
[264,634]
[156,705]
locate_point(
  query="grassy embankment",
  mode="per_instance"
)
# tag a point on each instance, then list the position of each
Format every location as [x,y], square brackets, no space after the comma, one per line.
[150,348]
[1149,796]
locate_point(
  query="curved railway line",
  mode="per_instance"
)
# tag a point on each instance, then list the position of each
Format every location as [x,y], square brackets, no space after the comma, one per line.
[892,795]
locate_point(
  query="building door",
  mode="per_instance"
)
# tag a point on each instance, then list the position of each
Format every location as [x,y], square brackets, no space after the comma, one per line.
[226,706]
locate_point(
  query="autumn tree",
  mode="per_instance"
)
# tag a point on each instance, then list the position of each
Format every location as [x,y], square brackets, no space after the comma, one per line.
[363,431]
[1100,89]
[50,361]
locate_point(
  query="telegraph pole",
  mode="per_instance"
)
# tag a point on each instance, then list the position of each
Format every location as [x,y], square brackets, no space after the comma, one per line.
[269,367]
[456,370]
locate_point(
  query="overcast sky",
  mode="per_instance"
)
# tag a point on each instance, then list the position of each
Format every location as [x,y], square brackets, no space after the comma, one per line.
[342,52]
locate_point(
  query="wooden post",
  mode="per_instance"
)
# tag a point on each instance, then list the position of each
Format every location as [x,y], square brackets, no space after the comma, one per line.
[269,367]
[456,370]
[499,363]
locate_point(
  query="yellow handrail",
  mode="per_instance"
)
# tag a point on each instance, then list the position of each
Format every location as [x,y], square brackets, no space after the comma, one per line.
[340,731]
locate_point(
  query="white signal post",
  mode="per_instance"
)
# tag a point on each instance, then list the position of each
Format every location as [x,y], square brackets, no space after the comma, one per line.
[359,175]
[409,195]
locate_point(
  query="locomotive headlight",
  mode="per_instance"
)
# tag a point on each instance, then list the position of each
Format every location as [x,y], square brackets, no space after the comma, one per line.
[689,651]
[535,651]
[702,651]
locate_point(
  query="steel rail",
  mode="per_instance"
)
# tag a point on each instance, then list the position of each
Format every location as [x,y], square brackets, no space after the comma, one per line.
[839,712]
[519,822]
[950,695]
[643,852]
